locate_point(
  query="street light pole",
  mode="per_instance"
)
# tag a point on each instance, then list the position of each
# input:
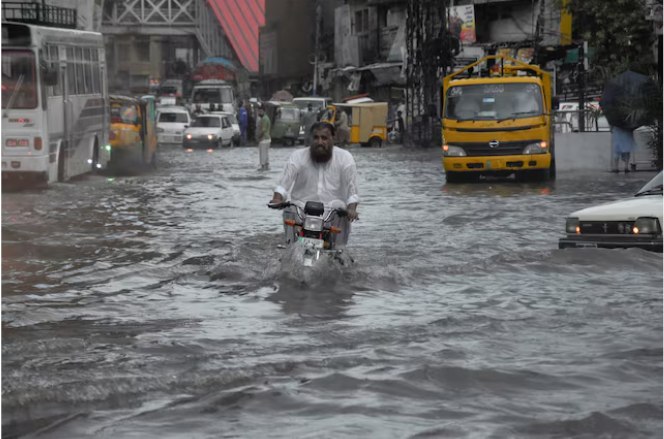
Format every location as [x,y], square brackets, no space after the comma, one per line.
[319,13]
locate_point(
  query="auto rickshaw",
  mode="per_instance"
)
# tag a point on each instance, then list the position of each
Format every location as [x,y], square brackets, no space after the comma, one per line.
[133,133]
[286,123]
[367,121]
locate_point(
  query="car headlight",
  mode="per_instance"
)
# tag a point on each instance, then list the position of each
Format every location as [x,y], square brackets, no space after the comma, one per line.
[188,136]
[536,148]
[160,130]
[646,226]
[572,225]
[313,224]
[211,136]
[453,151]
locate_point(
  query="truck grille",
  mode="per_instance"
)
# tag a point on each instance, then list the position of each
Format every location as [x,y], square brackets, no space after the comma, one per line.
[607,227]
[474,149]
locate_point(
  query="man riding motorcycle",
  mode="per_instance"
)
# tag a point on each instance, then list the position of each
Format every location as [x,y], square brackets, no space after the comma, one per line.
[323,173]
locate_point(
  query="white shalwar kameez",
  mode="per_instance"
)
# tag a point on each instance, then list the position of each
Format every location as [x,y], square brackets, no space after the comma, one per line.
[333,183]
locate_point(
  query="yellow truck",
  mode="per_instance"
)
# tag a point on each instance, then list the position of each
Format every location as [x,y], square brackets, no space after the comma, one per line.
[498,125]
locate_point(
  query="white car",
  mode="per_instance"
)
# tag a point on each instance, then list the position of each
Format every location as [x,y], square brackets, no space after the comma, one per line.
[633,222]
[171,123]
[209,131]
[237,134]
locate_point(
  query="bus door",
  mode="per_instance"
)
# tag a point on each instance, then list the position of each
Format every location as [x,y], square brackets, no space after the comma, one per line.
[68,81]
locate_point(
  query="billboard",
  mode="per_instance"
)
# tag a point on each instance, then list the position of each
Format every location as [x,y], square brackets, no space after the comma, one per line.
[461,22]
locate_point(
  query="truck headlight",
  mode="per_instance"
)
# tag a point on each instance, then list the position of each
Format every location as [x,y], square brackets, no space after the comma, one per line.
[453,151]
[646,226]
[313,224]
[572,225]
[536,148]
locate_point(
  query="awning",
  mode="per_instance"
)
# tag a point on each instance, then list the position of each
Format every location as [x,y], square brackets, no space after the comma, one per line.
[387,73]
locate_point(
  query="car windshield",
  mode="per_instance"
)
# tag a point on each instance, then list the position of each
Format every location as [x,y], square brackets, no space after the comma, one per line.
[654,186]
[18,73]
[124,114]
[213,95]
[173,117]
[289,114]
[207,122]
[493,101]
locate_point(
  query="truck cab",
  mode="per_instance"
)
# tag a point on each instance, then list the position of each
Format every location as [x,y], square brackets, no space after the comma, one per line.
[498,125]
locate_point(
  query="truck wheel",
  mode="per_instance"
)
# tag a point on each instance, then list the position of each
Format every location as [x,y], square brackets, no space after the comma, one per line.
[375,142]
[552,170]
[454,177]
[534,175]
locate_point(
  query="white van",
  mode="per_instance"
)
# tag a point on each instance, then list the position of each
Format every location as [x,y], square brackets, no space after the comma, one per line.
[213,91]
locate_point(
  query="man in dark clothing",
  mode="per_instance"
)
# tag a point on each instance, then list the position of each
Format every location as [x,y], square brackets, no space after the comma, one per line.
[401,125]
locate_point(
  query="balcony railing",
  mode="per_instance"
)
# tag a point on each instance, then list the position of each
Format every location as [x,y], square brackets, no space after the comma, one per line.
[39,14]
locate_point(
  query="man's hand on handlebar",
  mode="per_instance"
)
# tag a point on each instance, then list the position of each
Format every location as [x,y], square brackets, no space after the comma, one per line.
[277,198]
[351,212]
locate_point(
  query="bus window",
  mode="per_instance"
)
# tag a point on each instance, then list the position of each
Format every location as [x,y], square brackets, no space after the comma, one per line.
[71,72]
[18,64]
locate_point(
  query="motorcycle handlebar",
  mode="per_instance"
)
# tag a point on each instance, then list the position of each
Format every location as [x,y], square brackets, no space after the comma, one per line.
[340,212]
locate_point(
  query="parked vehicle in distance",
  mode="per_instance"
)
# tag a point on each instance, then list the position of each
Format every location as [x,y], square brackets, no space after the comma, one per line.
[171,124]
[208,131]
[237,134]
[632,222]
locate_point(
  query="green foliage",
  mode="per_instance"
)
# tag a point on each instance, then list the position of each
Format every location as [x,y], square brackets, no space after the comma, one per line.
[618,31]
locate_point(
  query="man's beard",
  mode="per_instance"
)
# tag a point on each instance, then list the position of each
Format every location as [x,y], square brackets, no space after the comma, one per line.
[320,154]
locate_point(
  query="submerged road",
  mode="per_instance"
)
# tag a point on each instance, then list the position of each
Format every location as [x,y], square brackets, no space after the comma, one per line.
[156,307]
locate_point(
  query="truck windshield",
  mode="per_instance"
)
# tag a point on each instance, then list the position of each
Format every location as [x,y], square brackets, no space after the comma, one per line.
[213,95]
[494,101]
[17,64]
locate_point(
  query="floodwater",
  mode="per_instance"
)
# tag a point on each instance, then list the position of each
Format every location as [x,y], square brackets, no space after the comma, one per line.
[156,307]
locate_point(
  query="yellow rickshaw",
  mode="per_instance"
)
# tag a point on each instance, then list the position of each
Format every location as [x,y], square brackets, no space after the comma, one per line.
[133,133]
[367,121]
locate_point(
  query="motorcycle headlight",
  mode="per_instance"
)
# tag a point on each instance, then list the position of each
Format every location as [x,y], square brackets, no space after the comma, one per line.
[646,226]
[572,225]
[536,148]
[453,151]
[313,224]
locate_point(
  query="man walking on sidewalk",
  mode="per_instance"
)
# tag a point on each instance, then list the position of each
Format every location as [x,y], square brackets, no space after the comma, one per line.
[264,139]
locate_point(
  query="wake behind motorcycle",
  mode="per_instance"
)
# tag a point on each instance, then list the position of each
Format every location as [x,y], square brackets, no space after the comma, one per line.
[311,233]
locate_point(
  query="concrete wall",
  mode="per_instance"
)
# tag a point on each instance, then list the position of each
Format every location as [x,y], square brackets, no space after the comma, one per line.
[583,151]
[593,151]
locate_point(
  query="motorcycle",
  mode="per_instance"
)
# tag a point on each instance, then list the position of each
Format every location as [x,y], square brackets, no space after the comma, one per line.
[315,234]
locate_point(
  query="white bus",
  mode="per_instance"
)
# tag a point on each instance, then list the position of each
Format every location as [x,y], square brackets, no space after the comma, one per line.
[55,108]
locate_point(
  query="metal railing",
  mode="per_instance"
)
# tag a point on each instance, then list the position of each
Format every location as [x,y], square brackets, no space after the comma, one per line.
[39,14]
[567,121]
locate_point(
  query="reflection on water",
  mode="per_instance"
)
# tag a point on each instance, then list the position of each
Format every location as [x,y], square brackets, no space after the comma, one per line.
[161,306]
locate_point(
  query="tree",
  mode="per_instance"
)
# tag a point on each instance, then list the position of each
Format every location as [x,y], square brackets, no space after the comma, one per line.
[617,31]
[622,39]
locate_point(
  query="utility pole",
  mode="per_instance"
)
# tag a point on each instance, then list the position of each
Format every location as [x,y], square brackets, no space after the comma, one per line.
[319,15]
[581,81]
